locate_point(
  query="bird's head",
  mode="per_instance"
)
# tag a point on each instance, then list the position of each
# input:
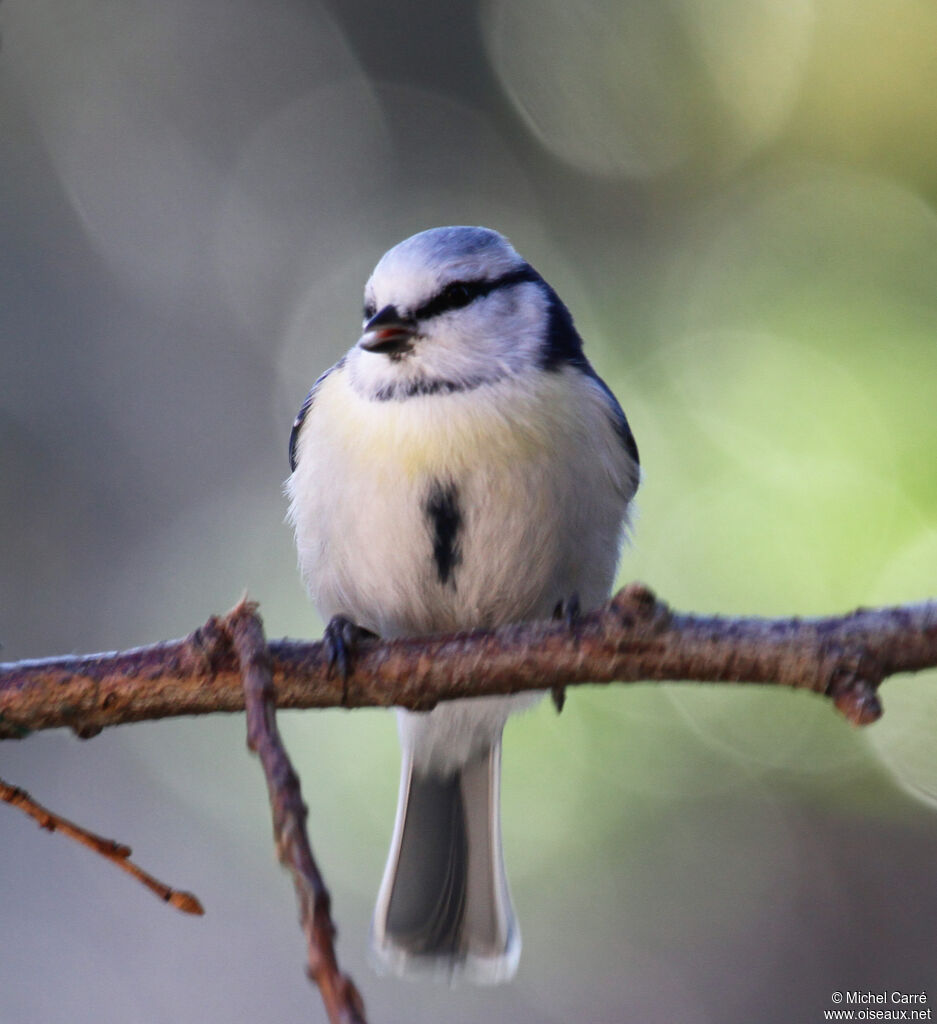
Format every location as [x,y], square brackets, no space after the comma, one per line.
[451,309]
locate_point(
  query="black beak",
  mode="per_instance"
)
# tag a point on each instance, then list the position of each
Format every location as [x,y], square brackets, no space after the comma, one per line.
[388,332]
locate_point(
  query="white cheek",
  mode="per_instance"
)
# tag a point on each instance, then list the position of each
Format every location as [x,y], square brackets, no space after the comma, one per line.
[512,327]
[501,334]
[367,370]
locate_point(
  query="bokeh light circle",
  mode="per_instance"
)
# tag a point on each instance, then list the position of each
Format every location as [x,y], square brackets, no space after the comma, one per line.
[637,89]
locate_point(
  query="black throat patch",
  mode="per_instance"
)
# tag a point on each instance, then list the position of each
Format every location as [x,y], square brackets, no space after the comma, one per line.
[445,521]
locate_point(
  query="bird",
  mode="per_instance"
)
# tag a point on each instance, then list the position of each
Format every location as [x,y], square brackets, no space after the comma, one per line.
[462,466]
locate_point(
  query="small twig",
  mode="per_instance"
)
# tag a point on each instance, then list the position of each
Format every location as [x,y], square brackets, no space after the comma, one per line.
[342,1000]
[115,852]
[634,637]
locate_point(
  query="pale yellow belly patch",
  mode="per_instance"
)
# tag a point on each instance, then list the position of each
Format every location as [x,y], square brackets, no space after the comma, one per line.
[424,436]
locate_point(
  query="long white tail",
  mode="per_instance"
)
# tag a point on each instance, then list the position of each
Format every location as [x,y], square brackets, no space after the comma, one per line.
[444,909]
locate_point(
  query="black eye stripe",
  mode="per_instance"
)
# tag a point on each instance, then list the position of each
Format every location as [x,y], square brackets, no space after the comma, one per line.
[457,294]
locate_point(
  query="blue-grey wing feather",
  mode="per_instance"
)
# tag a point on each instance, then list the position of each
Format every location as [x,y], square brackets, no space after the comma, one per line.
[619,420]
[564,348]
[304,412]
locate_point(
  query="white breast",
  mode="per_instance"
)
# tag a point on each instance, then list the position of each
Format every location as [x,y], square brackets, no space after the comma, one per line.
[540,480]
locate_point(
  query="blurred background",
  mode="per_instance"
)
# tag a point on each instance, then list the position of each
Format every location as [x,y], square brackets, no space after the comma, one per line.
[737,201]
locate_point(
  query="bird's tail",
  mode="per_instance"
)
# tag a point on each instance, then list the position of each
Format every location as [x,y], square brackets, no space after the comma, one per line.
[444,909]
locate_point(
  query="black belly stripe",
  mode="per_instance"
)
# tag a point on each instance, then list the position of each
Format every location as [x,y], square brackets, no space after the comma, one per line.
[445,522]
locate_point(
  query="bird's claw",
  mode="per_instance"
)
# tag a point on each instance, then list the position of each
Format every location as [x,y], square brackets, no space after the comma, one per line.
[570,611]
[341,639]
[558,696]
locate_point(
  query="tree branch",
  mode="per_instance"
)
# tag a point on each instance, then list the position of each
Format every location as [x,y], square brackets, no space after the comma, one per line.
[227,665]
[633,637]
[111,850]
[342,1000]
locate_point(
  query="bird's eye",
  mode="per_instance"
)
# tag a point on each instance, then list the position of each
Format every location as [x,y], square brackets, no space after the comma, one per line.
[457,295]
[369,310]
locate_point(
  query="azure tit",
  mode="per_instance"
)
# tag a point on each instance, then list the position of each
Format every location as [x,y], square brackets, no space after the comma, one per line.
[462,466]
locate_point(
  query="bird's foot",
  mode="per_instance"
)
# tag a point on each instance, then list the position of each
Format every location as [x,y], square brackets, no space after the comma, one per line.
[341,639]
[570,612]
